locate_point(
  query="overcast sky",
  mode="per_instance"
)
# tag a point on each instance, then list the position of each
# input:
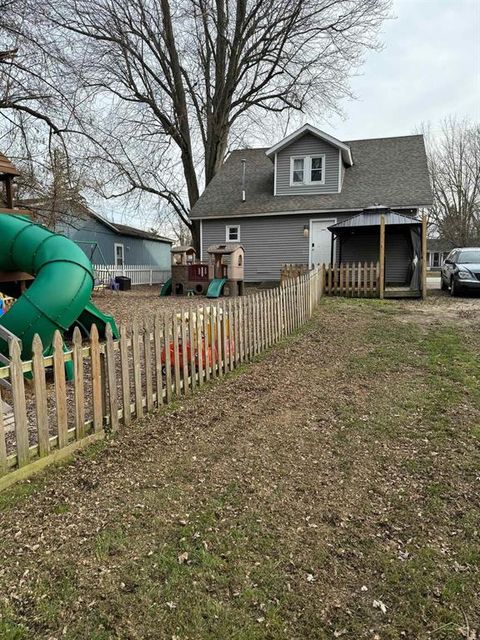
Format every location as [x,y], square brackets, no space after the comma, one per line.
[429,68]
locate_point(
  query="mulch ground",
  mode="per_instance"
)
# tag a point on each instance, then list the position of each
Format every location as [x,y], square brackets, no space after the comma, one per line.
[328,490]
[142,303]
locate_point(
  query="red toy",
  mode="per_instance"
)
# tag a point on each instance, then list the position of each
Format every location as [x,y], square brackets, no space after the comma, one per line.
[202,354]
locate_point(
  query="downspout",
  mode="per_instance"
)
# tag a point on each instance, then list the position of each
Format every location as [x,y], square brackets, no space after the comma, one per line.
[244,162]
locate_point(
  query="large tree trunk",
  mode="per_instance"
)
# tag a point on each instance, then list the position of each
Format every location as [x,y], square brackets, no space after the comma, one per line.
[195,231]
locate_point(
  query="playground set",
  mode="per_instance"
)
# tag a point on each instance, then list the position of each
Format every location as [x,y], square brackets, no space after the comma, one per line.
[222,274]
[46,280]
[46,283]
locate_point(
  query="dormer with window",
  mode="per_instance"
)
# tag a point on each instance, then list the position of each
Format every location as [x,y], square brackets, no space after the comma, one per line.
[309,162]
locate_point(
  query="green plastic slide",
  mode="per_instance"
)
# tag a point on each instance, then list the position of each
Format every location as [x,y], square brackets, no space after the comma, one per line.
[166,289]
[91,315]
[60,293]
[215,287]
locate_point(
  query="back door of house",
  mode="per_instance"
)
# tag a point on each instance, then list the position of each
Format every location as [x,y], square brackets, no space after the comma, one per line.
[320,242]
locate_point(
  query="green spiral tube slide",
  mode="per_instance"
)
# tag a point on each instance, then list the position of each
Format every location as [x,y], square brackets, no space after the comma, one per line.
[60,294]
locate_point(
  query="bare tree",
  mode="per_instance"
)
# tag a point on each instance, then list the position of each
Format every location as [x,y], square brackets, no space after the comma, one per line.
[454,163]
[166,84]
[31,80]
[51,188]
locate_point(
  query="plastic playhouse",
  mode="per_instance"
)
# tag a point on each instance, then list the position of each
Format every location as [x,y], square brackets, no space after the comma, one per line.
[223,274]
[49,276]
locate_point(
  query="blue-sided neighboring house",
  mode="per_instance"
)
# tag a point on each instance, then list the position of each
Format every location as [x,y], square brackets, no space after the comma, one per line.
[119,245]
[121,248]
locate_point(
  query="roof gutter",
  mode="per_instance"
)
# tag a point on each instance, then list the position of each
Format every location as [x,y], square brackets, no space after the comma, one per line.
[303,211]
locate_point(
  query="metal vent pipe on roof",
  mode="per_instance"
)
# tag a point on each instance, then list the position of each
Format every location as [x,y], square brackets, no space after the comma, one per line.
[244,164]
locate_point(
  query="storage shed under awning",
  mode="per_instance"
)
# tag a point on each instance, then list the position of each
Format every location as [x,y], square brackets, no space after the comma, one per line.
[358,239]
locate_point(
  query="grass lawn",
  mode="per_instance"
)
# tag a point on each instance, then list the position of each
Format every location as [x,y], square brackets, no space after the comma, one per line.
[329,490]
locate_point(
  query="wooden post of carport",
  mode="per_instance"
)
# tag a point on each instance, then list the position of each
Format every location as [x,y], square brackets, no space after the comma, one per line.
[381,275]
[424,256]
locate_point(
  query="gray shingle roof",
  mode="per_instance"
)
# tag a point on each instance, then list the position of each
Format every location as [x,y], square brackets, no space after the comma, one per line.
[439,244]
[392,171]
[125,230]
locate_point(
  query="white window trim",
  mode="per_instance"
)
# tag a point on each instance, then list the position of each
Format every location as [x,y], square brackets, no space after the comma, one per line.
[275,175]
[339,171]
[307,170]
[119,244]
[227,232]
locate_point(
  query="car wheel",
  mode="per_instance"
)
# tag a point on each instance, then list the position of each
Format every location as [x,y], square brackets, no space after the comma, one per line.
[453,288]
[443,285]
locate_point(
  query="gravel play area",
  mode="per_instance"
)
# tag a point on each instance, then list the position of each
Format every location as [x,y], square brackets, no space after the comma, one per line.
[144,302]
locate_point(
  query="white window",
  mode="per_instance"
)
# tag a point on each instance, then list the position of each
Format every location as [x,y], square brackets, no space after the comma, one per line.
[307,170]
[233,233]
[119,255]
[298,170]
[316,169]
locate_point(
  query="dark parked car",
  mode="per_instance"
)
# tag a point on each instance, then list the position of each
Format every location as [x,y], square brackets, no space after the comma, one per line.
[461,271]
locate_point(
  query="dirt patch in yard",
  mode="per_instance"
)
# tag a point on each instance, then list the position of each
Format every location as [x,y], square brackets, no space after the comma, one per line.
[441,308]
[328,490]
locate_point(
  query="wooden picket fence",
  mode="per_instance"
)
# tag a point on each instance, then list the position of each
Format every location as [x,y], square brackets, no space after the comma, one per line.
[118,381]
[356,280]
[289,271]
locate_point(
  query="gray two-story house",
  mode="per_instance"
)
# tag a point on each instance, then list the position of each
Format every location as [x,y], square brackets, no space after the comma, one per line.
[278,202]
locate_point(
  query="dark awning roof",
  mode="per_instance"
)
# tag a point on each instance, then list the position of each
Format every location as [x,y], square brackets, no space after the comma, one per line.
[371,218]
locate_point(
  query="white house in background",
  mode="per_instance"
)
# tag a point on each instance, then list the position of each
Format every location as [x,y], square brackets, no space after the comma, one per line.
[438,250]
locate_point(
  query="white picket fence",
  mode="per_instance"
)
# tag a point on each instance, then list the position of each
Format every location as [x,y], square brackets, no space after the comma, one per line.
[138,274]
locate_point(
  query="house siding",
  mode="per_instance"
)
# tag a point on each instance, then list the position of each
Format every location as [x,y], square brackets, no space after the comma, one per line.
[307,145]
[137,251]
[398,256]
[364,246]
[269,241]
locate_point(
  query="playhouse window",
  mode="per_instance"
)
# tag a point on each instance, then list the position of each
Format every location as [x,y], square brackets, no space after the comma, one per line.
[119,255]
[233,233]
